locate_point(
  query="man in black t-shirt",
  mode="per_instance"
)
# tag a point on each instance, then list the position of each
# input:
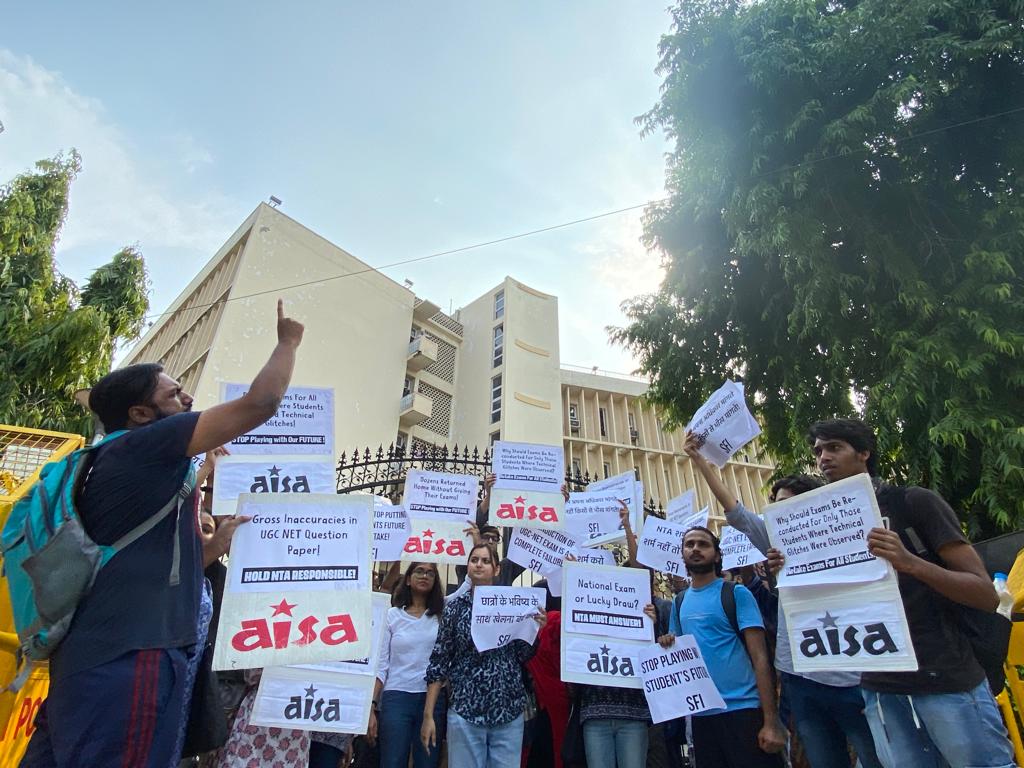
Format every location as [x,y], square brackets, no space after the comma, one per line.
[118,680]
[943,714]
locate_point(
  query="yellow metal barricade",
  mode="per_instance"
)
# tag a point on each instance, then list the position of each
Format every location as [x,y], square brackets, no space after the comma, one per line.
[23,452]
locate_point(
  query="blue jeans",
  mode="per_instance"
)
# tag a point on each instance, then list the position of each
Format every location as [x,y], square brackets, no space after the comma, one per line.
[936,730]
[615,743]
[825,717]
[398,730]
[476,746]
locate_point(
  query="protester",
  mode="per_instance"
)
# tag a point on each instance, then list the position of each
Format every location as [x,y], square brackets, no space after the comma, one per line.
[410,631]
[552,695]
[943,713]
[748,733]
[118,681]
[827,707]
[486,692]
[255,746]
[616,720]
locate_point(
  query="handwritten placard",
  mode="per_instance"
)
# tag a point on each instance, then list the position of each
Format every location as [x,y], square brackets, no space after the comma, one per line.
[661,546]
[737,549]
[593,517]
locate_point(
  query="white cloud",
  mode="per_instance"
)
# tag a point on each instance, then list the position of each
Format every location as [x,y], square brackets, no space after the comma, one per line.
[614,266]
[118,197]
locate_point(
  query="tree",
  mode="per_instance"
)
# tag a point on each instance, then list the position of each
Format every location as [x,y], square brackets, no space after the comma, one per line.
[56,339]
[844,231]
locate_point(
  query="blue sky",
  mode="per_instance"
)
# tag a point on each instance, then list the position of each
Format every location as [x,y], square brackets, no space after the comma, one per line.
[394,130]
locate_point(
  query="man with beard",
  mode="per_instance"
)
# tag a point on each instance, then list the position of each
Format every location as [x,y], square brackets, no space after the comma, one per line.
[118,679]
[747,734]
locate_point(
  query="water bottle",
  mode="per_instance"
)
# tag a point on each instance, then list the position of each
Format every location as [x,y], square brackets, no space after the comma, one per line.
[1005,598]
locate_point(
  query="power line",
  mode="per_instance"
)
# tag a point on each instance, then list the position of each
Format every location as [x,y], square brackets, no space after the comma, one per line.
[450,252]
[583,220]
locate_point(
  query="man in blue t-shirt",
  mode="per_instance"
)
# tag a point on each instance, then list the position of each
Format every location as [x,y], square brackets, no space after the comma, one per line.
[747,734]
[118,680]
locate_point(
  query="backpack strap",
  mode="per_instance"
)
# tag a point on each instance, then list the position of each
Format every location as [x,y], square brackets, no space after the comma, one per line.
[729,605]
[147,525]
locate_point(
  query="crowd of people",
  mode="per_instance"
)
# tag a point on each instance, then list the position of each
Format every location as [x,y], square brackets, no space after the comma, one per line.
[131,680]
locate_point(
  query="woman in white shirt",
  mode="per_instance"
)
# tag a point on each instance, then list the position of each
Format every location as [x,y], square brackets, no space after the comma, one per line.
[409,635]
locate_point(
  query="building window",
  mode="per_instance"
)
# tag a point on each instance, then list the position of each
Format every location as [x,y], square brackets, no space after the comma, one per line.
[603,418]
[415,333]
[668,486]
[574,418]
[495,437]
[495,399]
[499,305]
[633,434]
[577,471]
[499,344]
[407,387]
[636,471]
[401,441]
[607,469]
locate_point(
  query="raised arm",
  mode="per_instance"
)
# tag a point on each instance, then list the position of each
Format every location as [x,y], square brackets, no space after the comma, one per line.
[725,497]
[222,423]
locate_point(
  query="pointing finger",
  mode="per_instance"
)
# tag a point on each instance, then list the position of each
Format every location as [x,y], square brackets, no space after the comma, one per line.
[280,309]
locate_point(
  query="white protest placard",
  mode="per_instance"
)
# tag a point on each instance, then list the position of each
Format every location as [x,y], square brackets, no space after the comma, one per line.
[301,699]
[366,665]
[539,550]
[696,520]
[298,582]
[503,614]
[849,627]
[596,556]
[527,487]
[594,660]
[437,541]
[823,534]
[737,549]
[723,424]
[681,507]
[607,601]
[676,681]
[627,489]
[660,546]
[391,531]
[306,542]
[593,517]
[440,496]
[303,424]
[236,475]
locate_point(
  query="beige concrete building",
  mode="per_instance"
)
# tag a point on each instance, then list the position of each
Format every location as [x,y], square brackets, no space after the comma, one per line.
[403,371]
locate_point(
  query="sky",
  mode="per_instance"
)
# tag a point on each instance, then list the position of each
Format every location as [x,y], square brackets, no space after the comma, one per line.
[394,130]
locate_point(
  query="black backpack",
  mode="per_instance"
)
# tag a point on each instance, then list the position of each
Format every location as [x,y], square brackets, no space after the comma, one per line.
[987,633]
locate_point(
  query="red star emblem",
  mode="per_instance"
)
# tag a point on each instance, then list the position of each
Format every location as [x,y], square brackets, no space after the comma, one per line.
[520,500]
[428,534]
[283,607]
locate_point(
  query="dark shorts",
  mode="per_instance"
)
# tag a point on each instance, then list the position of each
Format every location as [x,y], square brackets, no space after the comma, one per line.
[729,740]
[123,714]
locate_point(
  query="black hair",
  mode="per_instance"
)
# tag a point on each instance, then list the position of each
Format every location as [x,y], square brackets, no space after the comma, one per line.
[551,602]
[113,395]
[402,598]
[795,484]
[858,434]
[714,540]
[488,528]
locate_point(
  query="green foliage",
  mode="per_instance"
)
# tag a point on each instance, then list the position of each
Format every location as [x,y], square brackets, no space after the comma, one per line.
[845,231]
[55,339]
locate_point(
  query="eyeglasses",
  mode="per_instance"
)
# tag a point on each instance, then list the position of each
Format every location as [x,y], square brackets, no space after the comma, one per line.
[491,538]
[424,572]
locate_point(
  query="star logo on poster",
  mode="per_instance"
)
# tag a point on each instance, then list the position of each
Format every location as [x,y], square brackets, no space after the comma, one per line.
[521,509]
[426,544]
[871,638]
[263,633]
